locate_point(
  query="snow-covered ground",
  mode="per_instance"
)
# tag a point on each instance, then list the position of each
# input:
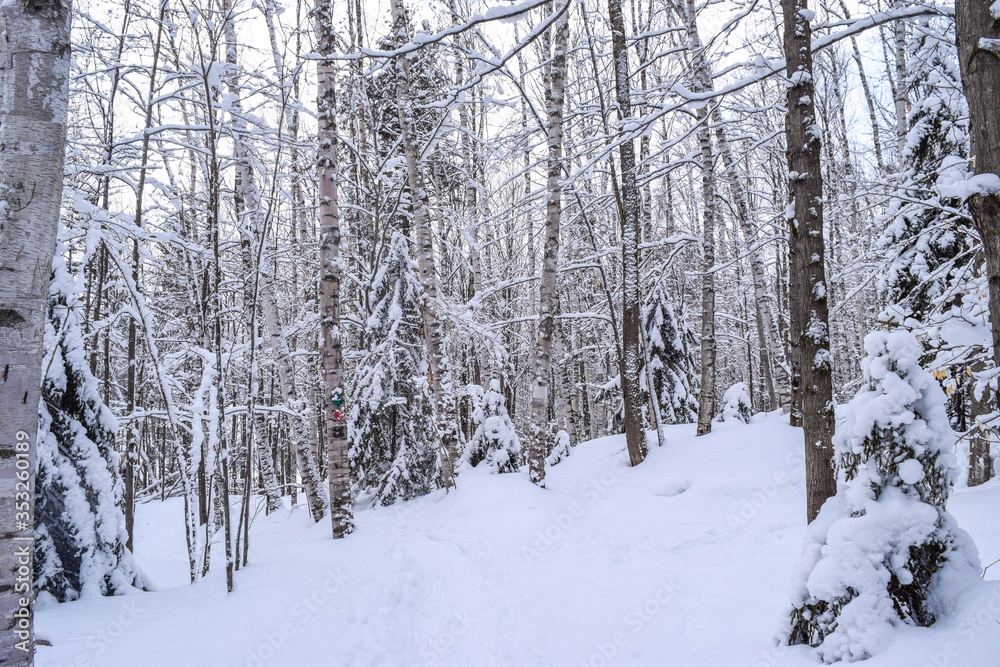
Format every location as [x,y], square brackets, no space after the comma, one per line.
[684,560]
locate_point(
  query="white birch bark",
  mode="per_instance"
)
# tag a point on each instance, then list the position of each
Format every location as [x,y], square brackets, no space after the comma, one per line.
[341,502]
[554,98]
[35,52]
[702,82]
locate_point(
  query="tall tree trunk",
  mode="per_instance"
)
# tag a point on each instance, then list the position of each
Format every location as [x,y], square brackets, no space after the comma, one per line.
[702,82]
[554,98]
[35,54]
[341,502]
[430,308]
[978,33]
[629,207]
[809,318]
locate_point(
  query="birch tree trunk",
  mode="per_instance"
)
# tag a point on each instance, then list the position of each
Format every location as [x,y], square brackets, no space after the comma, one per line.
[554,98]
[702,82]
[808,316]
[430,308]
[900,93]
[978,34]
[629,214]
[341,502]
[35,61]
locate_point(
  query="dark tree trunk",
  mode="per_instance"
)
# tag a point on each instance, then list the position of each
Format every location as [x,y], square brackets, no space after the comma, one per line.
[809,323]
[629,213]
[978,34]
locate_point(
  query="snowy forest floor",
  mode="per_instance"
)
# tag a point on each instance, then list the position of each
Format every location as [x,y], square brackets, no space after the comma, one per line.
[682,561]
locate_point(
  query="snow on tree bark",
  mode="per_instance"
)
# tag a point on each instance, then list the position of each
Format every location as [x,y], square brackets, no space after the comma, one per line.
[35,55]
[978,33]
[701,83]
[341,500]
[547,299]
[807,293]
[629,215]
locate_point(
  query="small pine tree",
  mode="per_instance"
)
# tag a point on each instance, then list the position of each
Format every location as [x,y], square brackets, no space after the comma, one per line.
[877,548]
[494,441]
[79,511]
[736,404]
[560,449]
[674,370]
[392,432]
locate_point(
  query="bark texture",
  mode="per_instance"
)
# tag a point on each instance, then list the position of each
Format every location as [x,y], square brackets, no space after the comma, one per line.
[341,502]
[809,319]
[554,97]
[629,212]
[978,34]
[35,50]
[702,82]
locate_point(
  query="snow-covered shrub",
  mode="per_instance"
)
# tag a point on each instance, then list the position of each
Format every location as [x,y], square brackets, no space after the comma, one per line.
[79,521]
[736,403]
[878,549]
[494,442]
[560,449]
[391,430]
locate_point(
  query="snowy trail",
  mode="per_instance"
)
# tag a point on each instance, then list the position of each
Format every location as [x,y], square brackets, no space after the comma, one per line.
[684,560]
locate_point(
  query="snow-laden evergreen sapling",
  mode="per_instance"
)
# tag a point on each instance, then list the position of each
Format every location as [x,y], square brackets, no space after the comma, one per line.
[736,404]
[674,370]
[494,442]
[880,549]
[79,513]
[392,432]
[560,449]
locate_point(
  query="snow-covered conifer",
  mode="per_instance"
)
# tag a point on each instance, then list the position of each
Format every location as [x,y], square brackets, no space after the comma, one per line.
[560,449]
[878,549]
[736,404]
[79,519]
[674,370]
[930,244]
[494,441]
[392,433]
